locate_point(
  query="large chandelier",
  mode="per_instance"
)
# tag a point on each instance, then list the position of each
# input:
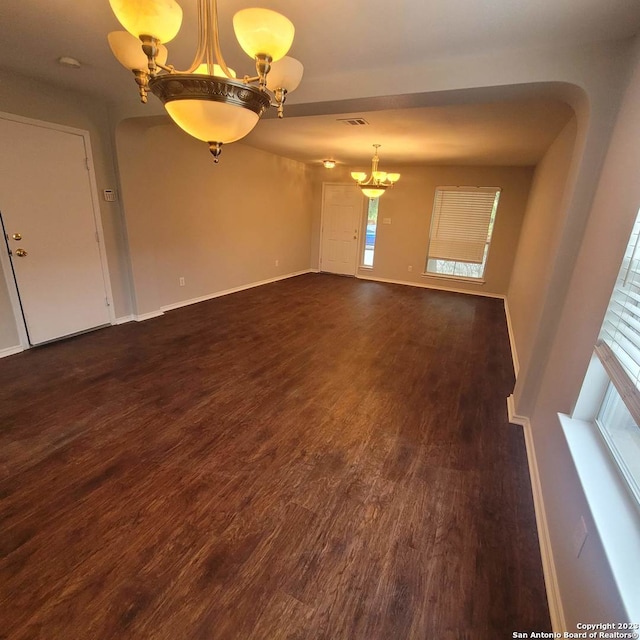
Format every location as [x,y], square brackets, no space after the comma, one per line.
[207,100]
[378,182]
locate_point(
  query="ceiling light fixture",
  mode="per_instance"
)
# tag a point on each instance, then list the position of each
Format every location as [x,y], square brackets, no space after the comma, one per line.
[206,100]
[329,164]
[378,182]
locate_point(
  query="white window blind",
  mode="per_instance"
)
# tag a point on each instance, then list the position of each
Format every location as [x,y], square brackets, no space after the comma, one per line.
[621,327]
[619,352]
[460,223]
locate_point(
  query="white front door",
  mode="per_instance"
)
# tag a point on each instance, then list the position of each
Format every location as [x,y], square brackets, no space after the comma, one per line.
[48,218]
[342,207]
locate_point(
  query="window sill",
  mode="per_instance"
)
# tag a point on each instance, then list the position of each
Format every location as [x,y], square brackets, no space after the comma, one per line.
[441,276]
[613,508]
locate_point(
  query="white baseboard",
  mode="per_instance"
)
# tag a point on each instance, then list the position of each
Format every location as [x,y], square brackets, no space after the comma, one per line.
[147,316]
[10,351]
[512,338]
[125,319]
[556,610]
[422,285]
[218,294]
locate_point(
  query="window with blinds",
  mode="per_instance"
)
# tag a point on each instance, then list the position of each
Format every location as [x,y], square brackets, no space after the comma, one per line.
[621,327]
[618,349]
[461,228]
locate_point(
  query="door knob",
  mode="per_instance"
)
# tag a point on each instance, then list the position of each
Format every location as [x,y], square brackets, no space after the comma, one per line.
[21,253]
[17,236]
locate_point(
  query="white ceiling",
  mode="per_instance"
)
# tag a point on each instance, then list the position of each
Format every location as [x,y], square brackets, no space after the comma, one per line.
[496,133]
[332,36]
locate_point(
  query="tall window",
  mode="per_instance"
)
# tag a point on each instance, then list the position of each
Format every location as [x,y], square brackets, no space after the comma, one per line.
[618,349]
[370,234]
[461,228]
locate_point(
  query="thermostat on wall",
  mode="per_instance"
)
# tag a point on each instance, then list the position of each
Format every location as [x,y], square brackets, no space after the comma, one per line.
[109,195]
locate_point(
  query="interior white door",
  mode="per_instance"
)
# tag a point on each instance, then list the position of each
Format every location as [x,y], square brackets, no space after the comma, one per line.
[342,207]
[48,217]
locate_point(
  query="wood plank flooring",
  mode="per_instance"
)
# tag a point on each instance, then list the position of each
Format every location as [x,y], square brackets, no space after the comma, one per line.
[318,458]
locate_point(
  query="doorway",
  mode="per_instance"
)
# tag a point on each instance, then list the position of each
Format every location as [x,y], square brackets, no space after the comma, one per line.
[53,255]
[342,207]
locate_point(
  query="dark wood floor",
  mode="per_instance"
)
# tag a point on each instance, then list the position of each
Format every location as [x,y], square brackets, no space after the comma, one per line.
[319,458]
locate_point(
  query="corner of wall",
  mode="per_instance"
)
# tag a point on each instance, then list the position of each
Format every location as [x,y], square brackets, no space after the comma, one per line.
[512,339]
[10,351]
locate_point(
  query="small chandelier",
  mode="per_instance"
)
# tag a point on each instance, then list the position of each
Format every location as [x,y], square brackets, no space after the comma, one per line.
[207,100]
[378,182]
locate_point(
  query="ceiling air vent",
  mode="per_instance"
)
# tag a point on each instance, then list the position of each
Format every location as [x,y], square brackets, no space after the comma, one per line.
[354,122]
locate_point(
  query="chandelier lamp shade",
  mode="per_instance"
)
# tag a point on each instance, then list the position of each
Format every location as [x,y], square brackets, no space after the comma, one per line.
[378,182]
[207,100]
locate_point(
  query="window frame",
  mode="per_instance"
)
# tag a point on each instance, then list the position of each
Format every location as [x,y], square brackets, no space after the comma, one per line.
[363,252]
[613,505]
[480,279]
[615,364]
[618,379]
[612,500]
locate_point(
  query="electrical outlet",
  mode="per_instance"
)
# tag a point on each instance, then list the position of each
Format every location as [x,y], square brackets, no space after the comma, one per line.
[182,282]
[410,268]
[277,263]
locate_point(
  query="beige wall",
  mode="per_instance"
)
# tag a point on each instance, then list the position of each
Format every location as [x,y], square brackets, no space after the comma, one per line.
[585,581]
[538,241]
[409,204]
[218,226]
[30,99]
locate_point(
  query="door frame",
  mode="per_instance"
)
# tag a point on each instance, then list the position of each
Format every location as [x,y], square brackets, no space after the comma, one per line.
[5,261]
[360,245]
